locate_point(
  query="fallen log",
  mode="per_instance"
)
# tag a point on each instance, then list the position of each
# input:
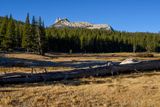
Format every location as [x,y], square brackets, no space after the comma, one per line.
[53,76]
[105,70]
[141,66]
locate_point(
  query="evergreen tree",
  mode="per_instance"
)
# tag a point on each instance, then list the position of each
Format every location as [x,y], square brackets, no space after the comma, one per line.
[40,34]
[9,38]
[35,37]
[18,37]
[33,34]
[3,30]
[26,40]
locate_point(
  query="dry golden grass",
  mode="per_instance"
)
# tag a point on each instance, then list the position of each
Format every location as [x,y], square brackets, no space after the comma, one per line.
[36,69]
[80,57]
[134,90]
[71,58]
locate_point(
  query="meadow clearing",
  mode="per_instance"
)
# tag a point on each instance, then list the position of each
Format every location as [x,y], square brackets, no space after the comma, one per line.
[131,90]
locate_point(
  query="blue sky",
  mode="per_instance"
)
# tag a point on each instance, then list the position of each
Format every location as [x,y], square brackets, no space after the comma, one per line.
[123,15]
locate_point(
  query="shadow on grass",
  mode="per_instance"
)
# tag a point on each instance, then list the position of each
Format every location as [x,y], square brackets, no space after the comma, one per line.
[74,82]
[83,81]
[19,62]
[7,90]
[139,74]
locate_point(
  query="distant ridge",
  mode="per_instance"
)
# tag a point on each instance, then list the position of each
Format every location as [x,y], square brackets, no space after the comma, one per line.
[64,22]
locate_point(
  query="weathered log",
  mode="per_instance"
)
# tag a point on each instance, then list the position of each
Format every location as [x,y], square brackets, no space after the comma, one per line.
[53,76]
[141,66]
[80,73]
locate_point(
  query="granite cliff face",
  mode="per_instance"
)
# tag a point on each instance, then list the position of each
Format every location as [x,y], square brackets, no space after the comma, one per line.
[60,23]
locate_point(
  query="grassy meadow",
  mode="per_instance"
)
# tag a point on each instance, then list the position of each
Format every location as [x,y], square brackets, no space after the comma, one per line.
[131,90]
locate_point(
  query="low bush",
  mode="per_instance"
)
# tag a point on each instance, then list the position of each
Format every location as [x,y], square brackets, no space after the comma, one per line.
[144,55]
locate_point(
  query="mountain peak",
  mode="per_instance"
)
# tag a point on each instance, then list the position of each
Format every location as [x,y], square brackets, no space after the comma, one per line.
[64,22]
[61,20]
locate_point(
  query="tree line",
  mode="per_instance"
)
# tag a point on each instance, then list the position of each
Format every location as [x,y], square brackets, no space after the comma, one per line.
[32,36]
[28,36]
[99,41]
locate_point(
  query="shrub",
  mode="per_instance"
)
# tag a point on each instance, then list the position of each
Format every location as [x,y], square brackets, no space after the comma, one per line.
[144,55]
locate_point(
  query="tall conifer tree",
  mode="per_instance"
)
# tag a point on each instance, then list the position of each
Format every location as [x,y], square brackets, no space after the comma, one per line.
[26,43]
[3,30]
[9,38]
[40,32]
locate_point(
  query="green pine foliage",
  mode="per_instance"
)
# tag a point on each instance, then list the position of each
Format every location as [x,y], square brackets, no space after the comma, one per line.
[9,38]
[3,29]
[40,37]
[34,37]
[99,41]
[18,36]
[27,37]
[33,34]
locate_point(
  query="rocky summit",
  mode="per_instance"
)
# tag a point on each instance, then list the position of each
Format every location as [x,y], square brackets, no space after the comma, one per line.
[60,23]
